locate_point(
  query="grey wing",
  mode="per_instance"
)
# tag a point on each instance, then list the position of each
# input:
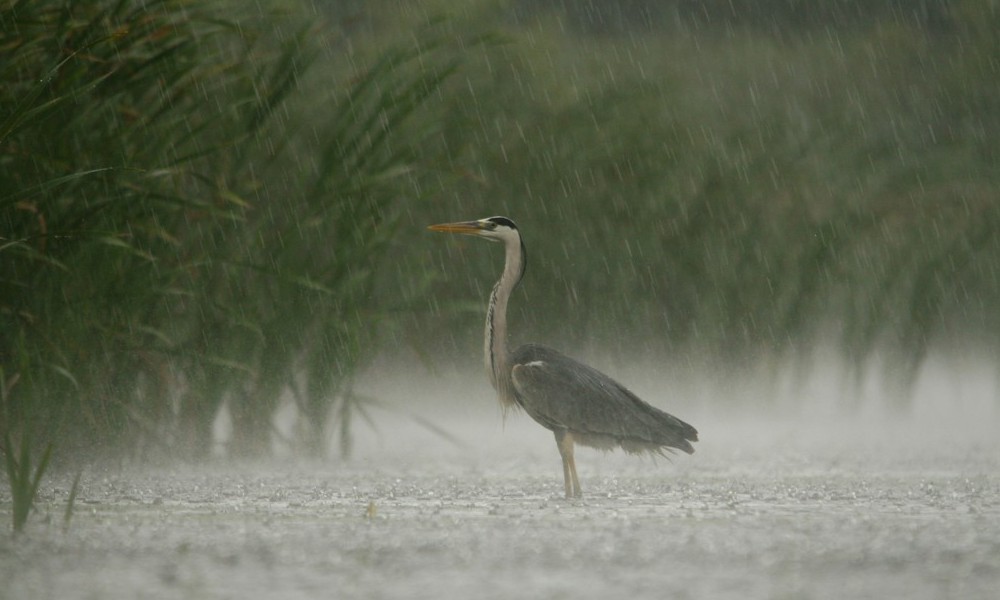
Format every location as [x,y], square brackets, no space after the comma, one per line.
[562,393]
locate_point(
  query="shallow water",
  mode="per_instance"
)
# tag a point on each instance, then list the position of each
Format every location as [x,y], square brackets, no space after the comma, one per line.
[764,509]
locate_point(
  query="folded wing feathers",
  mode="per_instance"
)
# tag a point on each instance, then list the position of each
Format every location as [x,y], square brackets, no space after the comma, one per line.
[558,391]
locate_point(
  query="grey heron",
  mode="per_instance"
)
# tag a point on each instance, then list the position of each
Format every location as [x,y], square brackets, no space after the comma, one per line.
[579,404]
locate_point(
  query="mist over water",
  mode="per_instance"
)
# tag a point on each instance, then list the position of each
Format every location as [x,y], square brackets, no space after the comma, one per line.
[788,494]
[953,403]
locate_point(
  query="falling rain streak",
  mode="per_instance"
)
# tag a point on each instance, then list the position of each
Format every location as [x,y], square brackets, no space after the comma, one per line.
[778,219]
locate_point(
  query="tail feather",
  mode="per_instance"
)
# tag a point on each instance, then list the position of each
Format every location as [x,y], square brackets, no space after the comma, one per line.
[673,432]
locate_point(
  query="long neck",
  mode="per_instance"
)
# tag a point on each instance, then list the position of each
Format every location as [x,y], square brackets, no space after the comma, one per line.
[495,344]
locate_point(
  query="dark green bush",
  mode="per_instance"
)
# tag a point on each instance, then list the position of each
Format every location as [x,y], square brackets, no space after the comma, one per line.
[183,227]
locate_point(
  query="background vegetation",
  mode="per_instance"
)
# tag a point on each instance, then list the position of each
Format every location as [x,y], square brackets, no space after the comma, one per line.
[184,225]
[201,205]
[741,184]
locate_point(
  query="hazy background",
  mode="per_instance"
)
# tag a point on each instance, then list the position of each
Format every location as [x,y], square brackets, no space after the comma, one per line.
[212,218]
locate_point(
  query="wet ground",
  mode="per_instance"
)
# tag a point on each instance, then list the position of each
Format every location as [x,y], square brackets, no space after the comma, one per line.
[764,509]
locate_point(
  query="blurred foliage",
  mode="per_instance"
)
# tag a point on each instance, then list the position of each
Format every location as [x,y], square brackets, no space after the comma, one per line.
[22,478]
[182,226]
[202,205]
[743,188]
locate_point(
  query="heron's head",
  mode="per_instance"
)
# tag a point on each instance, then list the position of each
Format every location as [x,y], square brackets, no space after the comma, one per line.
[494,229]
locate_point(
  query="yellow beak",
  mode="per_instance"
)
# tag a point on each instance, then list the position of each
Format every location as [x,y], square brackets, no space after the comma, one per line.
[469,227]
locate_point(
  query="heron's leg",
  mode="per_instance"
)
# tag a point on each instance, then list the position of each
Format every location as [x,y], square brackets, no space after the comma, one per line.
[572,484]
